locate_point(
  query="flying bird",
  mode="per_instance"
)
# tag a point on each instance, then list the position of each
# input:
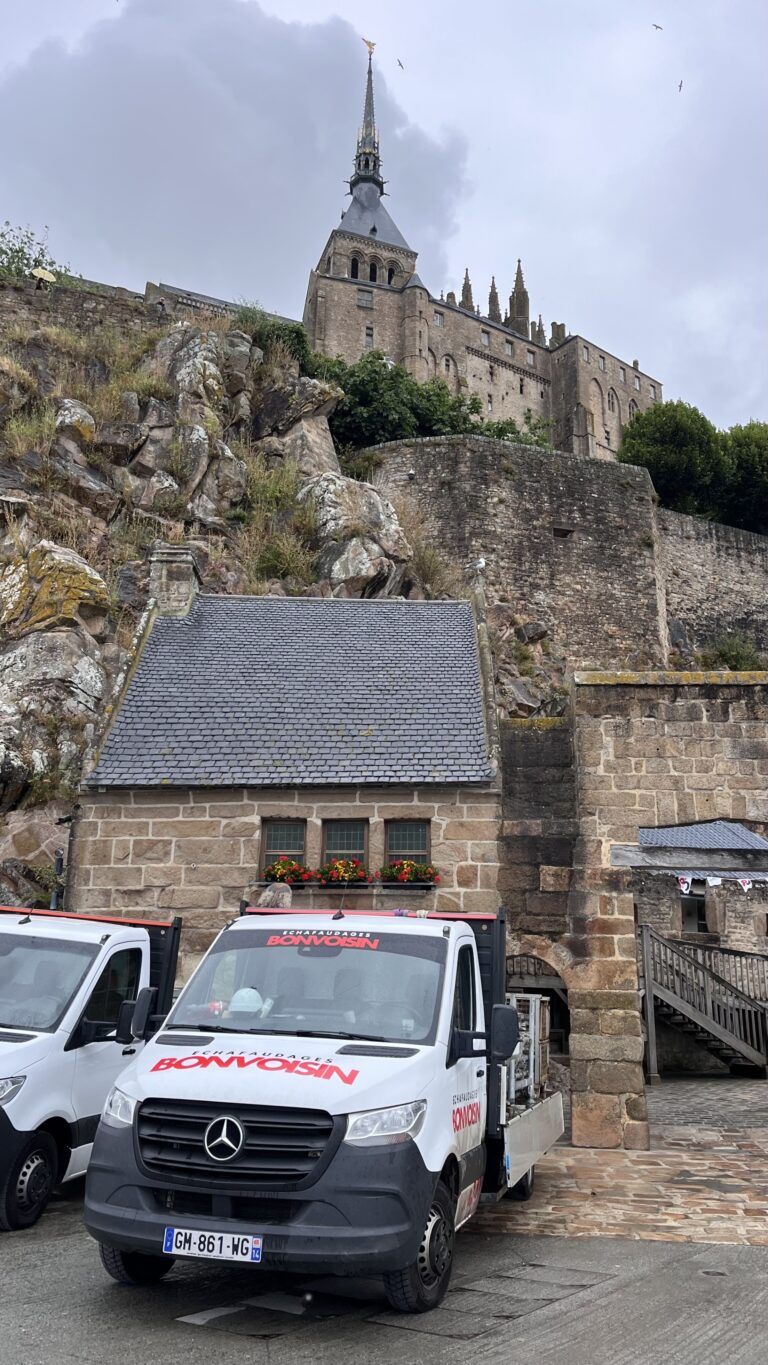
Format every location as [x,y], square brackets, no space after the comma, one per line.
[400,64]
[659,27]
[679,88]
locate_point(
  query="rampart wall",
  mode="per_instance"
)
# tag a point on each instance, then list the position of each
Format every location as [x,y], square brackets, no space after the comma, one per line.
[716,579]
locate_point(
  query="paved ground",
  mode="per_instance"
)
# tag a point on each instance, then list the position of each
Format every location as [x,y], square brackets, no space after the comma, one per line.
[516,1299]
[705,1179]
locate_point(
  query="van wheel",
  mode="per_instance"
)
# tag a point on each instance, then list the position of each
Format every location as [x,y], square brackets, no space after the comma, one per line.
[134,1267]
[424,1284]
[29,1183]
[524,1187]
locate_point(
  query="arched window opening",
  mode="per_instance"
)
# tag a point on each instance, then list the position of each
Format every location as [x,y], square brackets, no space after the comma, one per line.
[391,275]
[447,364]
[373,272]
[354,268]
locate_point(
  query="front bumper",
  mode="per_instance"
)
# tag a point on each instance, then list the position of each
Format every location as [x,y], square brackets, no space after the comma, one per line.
[365,1213]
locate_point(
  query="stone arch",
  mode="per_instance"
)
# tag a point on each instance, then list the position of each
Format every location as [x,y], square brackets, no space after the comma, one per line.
[432,363]
[354,267]
[392,272]
[613,418]
[375,268]
[633,409]
[597,408]
[532,972]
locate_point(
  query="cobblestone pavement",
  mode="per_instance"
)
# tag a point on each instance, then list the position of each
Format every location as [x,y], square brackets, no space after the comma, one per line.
[705,1179]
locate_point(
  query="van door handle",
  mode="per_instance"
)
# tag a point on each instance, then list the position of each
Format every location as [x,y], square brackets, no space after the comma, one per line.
[481,1072]
[128,1051]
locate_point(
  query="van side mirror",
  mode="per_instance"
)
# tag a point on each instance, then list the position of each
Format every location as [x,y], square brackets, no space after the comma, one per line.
[505,1032]
[465,1043]
[124,1030]
[143,1023]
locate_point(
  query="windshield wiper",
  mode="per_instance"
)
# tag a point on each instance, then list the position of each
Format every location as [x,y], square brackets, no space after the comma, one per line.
[208,1028]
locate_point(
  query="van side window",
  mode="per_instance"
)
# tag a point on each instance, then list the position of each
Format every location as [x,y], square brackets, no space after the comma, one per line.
[464,998]
[119,981]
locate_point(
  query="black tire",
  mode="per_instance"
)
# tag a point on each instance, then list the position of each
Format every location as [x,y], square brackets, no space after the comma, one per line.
[29,1183]
[424,1284]
[524,1187]
[134,1267]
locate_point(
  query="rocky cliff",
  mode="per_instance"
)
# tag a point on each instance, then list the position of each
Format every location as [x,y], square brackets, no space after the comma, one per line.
[113,438]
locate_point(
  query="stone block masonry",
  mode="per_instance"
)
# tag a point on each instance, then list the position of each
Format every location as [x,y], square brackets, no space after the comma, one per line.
[196,852]
[716,580]
[570,541]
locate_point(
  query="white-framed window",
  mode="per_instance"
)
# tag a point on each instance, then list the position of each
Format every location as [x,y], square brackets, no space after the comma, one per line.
[438,319]
[489,403]
[585,353]
[637,382]
[530,357]
[601,362]
[622,374]
[365,298]
[509,348]
[485,338]
[611,401]
[653,391]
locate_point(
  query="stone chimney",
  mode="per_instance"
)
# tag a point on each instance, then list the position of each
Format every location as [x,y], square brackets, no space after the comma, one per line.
[174,578]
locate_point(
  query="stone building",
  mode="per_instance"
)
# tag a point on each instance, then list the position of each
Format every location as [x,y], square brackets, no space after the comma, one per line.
[320,728]
[365,294]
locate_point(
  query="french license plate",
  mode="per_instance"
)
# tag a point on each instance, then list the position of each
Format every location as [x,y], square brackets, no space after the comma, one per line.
[215,1246]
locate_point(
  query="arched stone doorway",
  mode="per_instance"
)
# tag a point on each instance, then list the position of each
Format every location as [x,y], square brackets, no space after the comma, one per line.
[526,972]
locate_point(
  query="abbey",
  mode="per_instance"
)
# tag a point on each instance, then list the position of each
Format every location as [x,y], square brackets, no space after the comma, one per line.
[366,294]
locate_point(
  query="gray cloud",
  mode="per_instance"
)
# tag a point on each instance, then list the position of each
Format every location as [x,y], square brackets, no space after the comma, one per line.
[206,141]
[207,145]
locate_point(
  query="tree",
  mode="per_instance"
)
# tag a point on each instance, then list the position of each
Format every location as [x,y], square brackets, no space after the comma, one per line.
[21,251]
[382,402]
[746,501]
[684,454]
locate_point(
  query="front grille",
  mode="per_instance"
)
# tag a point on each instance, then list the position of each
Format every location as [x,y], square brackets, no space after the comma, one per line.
[282,1147]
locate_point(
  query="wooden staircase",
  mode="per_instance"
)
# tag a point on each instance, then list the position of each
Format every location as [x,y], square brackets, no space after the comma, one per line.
[686,992]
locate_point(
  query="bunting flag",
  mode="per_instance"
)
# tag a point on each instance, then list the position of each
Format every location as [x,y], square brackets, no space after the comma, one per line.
[684,884]
[745,883]
[714,881]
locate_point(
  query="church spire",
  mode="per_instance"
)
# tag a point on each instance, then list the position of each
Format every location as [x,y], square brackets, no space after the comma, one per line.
[494,311]
[367,159]
[519,306]
[466,294]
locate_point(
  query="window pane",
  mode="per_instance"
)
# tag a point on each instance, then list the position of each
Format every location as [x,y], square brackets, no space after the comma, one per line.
[283,836]
[344,839]
[407,839]
[464,1000]
[118,982]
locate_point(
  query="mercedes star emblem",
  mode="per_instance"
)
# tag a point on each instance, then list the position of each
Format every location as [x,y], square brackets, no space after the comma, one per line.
[223,1138]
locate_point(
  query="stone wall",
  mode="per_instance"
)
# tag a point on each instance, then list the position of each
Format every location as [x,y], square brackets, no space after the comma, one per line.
[89,309]
[568,540]
[538,824]
[196,852]
[716,579]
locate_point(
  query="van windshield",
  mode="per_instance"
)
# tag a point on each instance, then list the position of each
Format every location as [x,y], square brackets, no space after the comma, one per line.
[333,983]
[38,979]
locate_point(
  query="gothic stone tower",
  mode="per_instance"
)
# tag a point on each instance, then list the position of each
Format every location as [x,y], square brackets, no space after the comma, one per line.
[364,294]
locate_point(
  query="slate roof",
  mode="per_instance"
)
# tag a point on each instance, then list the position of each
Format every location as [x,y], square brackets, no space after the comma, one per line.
[711,834]
[366,211]
[266,691]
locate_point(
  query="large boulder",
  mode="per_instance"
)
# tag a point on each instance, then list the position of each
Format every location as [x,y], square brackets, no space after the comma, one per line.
[52,684]
[49,588]
[360,569]
[347,508]
[75,431]
[279,403]
[308,445]
[190,360]
[222,487]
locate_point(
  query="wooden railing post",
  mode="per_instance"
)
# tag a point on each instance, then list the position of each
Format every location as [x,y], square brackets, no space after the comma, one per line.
[652,1066]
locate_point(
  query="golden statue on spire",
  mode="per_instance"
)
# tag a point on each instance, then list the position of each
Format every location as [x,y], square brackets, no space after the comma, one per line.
[369,45]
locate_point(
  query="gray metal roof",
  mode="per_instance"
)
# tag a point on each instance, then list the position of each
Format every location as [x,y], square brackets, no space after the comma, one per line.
[365,212]
[274,691]
[711,834]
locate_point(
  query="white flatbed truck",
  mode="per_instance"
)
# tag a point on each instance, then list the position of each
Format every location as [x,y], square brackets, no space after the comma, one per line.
[64,980]
[328,1094]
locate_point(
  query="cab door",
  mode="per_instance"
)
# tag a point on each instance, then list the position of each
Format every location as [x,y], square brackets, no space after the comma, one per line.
[98,1058]
[468,1082]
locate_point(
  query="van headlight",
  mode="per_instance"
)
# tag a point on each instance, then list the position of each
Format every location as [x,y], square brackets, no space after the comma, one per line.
[119,1109]
[379,1127]
[10,1087]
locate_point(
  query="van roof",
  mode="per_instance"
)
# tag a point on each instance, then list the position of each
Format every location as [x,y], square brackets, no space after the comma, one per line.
[76,928]
[352,921]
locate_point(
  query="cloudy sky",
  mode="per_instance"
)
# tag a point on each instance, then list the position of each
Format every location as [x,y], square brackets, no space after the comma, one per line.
[205,143]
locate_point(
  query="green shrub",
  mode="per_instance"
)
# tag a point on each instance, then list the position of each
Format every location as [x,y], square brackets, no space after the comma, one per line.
[735,652]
